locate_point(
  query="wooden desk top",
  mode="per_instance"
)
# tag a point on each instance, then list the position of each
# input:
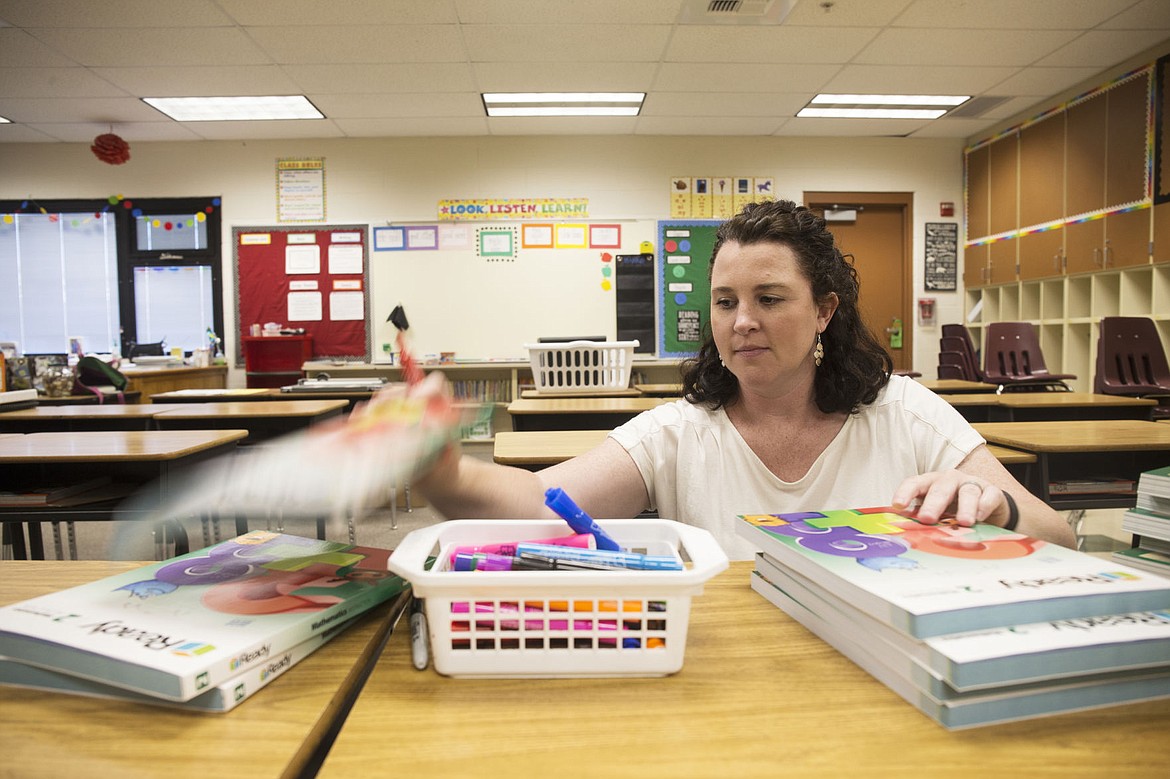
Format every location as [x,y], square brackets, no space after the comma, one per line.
[113,445]
[1056,399]
[592,405]
[543,447]
[972,398]
[548,447]
[141,371]
[250,408]
[628,392]
[208,395]
[105,411]
[1081,435]
[943,386]
[663,390]
[1011,456]
[758,696]
[45,734]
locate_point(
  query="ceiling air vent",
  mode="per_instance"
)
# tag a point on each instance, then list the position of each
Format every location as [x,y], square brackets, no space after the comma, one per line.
[745,12]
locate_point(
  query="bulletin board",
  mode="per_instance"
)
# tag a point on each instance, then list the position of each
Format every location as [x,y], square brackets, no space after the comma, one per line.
[684,292]
[483,290]
[311,278]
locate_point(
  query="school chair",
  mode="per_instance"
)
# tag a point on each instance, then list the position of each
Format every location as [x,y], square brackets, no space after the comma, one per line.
[1131,361]
[1014,360]
[963,343]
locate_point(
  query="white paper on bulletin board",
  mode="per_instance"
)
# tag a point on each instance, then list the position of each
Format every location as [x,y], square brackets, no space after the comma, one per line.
[345,305]
[304,306]
[345,258]
[302,258]
[459,302]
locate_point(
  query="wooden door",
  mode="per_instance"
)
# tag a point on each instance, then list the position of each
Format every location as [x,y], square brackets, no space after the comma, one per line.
[879,241]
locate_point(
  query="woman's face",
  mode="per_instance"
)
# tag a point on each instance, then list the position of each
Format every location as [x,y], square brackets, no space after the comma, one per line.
[763,316]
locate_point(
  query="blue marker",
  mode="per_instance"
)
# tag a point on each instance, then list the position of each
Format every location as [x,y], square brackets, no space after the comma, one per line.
[556,499]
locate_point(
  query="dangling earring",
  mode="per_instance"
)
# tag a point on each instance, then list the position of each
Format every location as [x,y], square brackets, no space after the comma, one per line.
[819,352]
[722,364]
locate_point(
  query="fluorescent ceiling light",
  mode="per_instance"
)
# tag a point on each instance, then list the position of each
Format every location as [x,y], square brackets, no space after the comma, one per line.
[563,103]
[881,106]
[5,121]
[230,109]
[871,113]
[948,101]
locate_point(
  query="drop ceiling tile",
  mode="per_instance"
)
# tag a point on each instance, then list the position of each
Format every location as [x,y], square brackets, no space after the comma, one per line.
[909,80]
[115,13]
[314,13]
[1037,82]
[1011,14]
[708,125]
[195,81]
[566,42]
[132,132]
[564,76]
[413,126]
[358,78]
[736,104]
[360,44]
[241,131]
[103,110]
[156,47]
[397,105]
[962,47]
[19,49]
[1099,48]
[561,125]
[847,13]
[878,128]
[55,82]
[518,12]
[1146,15]
[23,133]
[798,45]
[720,77]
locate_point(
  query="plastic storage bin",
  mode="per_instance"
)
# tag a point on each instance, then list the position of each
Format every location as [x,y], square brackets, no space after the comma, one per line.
[581,366]
[557,623]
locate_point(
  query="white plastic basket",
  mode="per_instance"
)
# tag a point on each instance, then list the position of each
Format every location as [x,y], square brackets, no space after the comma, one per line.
[557,623]
[581,366]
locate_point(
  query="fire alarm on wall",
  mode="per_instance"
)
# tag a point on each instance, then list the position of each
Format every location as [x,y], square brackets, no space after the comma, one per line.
[946,209]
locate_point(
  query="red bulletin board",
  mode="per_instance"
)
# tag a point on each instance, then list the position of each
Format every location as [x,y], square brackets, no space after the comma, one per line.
[272,262]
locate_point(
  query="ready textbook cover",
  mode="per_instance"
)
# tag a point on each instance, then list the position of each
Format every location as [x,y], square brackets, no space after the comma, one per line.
[180,627]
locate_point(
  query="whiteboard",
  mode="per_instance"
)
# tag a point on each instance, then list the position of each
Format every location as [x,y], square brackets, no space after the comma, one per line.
[481,308]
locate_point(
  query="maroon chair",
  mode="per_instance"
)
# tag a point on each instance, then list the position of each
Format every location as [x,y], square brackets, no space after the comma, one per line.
[966,345]
[953,344]
[1132,361]
[1014,361]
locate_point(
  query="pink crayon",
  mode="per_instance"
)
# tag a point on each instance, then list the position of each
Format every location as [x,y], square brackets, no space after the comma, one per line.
[508,548]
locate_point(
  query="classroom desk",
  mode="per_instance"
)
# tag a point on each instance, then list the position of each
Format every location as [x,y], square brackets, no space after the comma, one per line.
[130,458]
[152,380]
[1044,406]
[351,397]
[264,420]
[578,413]
[660,390]
[1084,449]
[536,449]
[280,732]
[1038,406]
[952,386]
[627,392]
[87,399]
[758,696]
[47,419]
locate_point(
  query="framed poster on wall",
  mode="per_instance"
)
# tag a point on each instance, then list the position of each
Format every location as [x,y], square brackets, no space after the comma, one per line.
[684,293]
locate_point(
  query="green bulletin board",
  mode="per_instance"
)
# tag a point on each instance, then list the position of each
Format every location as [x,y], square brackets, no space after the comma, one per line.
[683,289]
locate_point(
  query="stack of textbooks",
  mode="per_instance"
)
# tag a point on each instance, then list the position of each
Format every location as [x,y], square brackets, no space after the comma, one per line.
[972,626]
[1149,522]
[202,631]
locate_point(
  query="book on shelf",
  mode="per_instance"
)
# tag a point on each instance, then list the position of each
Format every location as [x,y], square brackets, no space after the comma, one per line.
[1146,558]
[1092,487]
[221,698]
[180,627]
[957,710]
[45,494]
[929,580]
[1154,503]
[1029,654]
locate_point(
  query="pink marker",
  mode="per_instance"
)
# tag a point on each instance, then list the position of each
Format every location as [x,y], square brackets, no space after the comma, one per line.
[508,548]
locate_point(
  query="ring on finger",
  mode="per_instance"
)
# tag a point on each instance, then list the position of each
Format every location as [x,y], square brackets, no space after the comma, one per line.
[973,484]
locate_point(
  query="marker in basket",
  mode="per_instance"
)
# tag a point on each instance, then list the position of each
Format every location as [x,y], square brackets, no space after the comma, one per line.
[486,561]
[418,635]
[556,499]
[582,540]
[627,560]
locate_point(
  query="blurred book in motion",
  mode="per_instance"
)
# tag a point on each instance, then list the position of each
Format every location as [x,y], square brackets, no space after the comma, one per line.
[43,495]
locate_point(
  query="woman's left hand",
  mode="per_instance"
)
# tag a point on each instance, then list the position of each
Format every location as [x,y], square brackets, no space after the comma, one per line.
[967,498]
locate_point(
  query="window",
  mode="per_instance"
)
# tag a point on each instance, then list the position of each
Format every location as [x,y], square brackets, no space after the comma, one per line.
[110,273]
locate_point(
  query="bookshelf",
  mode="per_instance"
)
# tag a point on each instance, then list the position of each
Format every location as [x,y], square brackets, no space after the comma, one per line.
[1067,312]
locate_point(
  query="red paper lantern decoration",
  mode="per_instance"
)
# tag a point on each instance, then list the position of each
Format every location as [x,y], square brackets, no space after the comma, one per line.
[110,149]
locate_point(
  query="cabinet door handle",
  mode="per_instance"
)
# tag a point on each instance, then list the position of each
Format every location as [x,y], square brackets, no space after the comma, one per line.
[1056,262]
[1097,256]
[1107,255]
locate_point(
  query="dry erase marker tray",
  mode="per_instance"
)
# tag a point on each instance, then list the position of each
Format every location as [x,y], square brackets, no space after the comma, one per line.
[581,367]
[558,623]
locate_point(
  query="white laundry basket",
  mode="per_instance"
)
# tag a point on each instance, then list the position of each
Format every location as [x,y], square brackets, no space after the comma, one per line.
[557,623]
[581,366]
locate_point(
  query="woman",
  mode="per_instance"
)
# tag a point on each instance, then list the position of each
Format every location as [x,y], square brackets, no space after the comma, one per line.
[789,406]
